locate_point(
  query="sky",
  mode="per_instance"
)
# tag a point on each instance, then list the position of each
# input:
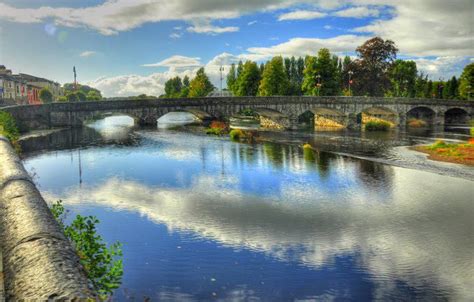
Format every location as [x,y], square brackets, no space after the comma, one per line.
[130,47]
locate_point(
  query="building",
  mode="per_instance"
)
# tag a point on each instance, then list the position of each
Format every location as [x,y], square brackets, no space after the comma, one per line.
[24,89]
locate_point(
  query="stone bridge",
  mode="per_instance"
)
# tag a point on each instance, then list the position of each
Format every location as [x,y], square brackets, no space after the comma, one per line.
[285,111]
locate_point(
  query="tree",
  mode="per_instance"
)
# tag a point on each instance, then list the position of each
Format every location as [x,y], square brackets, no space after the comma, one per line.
[321,76]
[403,75]
[421,83]
[274,79]
[72,97]
[81,96]
[185,89]
[231,78]
[69,87]
[200,86]
[240,67]
[345,76]
[173,87]
[248,81]
[46,96]
[93,95]
[371,68]
[466,82]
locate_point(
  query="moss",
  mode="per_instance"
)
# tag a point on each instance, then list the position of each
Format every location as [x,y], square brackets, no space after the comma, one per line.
[236,134]
[377,126]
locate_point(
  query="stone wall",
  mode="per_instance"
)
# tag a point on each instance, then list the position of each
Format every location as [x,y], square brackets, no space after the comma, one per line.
[39,262]
[147,111]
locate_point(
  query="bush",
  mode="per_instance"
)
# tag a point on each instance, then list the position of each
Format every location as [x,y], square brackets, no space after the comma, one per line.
[439,144]
[416,123]
[236,134]
[217,128]
[248,112]
[8,127]
[103,265]
[377,126]
[46,96]
[62,99]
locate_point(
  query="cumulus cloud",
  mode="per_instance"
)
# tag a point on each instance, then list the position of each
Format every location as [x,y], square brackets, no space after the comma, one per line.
[177,61]
[301,15]
[358,12]
[87,53]
[442,67]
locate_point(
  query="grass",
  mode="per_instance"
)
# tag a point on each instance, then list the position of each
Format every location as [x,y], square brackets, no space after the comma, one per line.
[462,153]
[417,123]
[377,126]
[9,129]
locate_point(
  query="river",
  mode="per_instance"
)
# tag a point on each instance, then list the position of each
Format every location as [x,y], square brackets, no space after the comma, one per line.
[204,218]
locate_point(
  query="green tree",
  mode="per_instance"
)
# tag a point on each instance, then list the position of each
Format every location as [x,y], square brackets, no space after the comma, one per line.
[321,76]
[420,85]
[72,97]
[200,86]
[81,96]
[403,75]
[173,87]
[46,96]
[185,89]
[371,68]
[248,81]
[466,82]
[93,95]
[231,78]
[240,67]
[274,79]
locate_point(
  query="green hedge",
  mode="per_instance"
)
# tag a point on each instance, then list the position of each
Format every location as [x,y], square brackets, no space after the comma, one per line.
[8,126]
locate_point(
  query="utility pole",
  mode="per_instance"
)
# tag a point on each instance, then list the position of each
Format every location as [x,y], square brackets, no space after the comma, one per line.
[75,78]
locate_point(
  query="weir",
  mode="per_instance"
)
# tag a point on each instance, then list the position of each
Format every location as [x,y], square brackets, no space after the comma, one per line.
[39,262]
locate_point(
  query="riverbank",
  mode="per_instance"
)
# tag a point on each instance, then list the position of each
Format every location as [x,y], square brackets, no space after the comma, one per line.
[462,153]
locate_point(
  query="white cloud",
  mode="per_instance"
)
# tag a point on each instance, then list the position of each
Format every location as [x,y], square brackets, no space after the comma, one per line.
[205,27]
[357,12]
[177,61]
[87,53]
[301,15]
[442,67]
[306,46]
[427,28]
[175,35]
[252,22]
[327,27]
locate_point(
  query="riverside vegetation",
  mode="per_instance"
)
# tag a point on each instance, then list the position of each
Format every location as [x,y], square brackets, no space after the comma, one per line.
[102,264]
[462,153]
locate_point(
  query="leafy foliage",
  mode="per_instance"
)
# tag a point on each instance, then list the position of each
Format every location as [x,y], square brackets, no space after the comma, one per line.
[274,79]
[103,264]
[403,77]
[173,87]
[236,134]
[321,75]
[377,126]
[45,95]
[201,85]
[8,127]
[371,68]
[248,80]
[466,82]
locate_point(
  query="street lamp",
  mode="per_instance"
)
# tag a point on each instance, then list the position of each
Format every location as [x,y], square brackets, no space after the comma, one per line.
[221,69]
[350,73]
[318,83]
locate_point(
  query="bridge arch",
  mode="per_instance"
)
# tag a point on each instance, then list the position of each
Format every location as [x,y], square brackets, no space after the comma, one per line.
[456,116]
[423,113]
[377,114]
[323,118]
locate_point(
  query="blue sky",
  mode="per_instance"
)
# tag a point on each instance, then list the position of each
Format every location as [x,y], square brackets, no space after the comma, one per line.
[126,47]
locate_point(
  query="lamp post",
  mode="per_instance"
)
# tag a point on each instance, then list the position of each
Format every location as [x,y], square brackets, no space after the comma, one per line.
[221,69]
[350,73]
[318,83]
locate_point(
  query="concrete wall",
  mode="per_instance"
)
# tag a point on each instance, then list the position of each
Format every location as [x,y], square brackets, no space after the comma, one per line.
[39,262]
[148,111]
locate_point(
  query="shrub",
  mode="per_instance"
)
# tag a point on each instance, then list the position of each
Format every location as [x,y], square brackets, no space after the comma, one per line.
[103,265]
[8,127]
[377,126]
[217,128]
[62,99]
[416,123]
[248,112]
[46,96]
[236,134]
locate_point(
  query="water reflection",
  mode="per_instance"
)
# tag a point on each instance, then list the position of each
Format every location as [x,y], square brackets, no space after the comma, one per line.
[173,119]
[409,232]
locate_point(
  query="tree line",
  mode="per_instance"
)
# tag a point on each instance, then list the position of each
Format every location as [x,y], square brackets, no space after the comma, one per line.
[375,72]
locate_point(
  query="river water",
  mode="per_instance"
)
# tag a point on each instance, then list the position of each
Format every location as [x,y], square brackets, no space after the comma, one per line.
[203,218]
